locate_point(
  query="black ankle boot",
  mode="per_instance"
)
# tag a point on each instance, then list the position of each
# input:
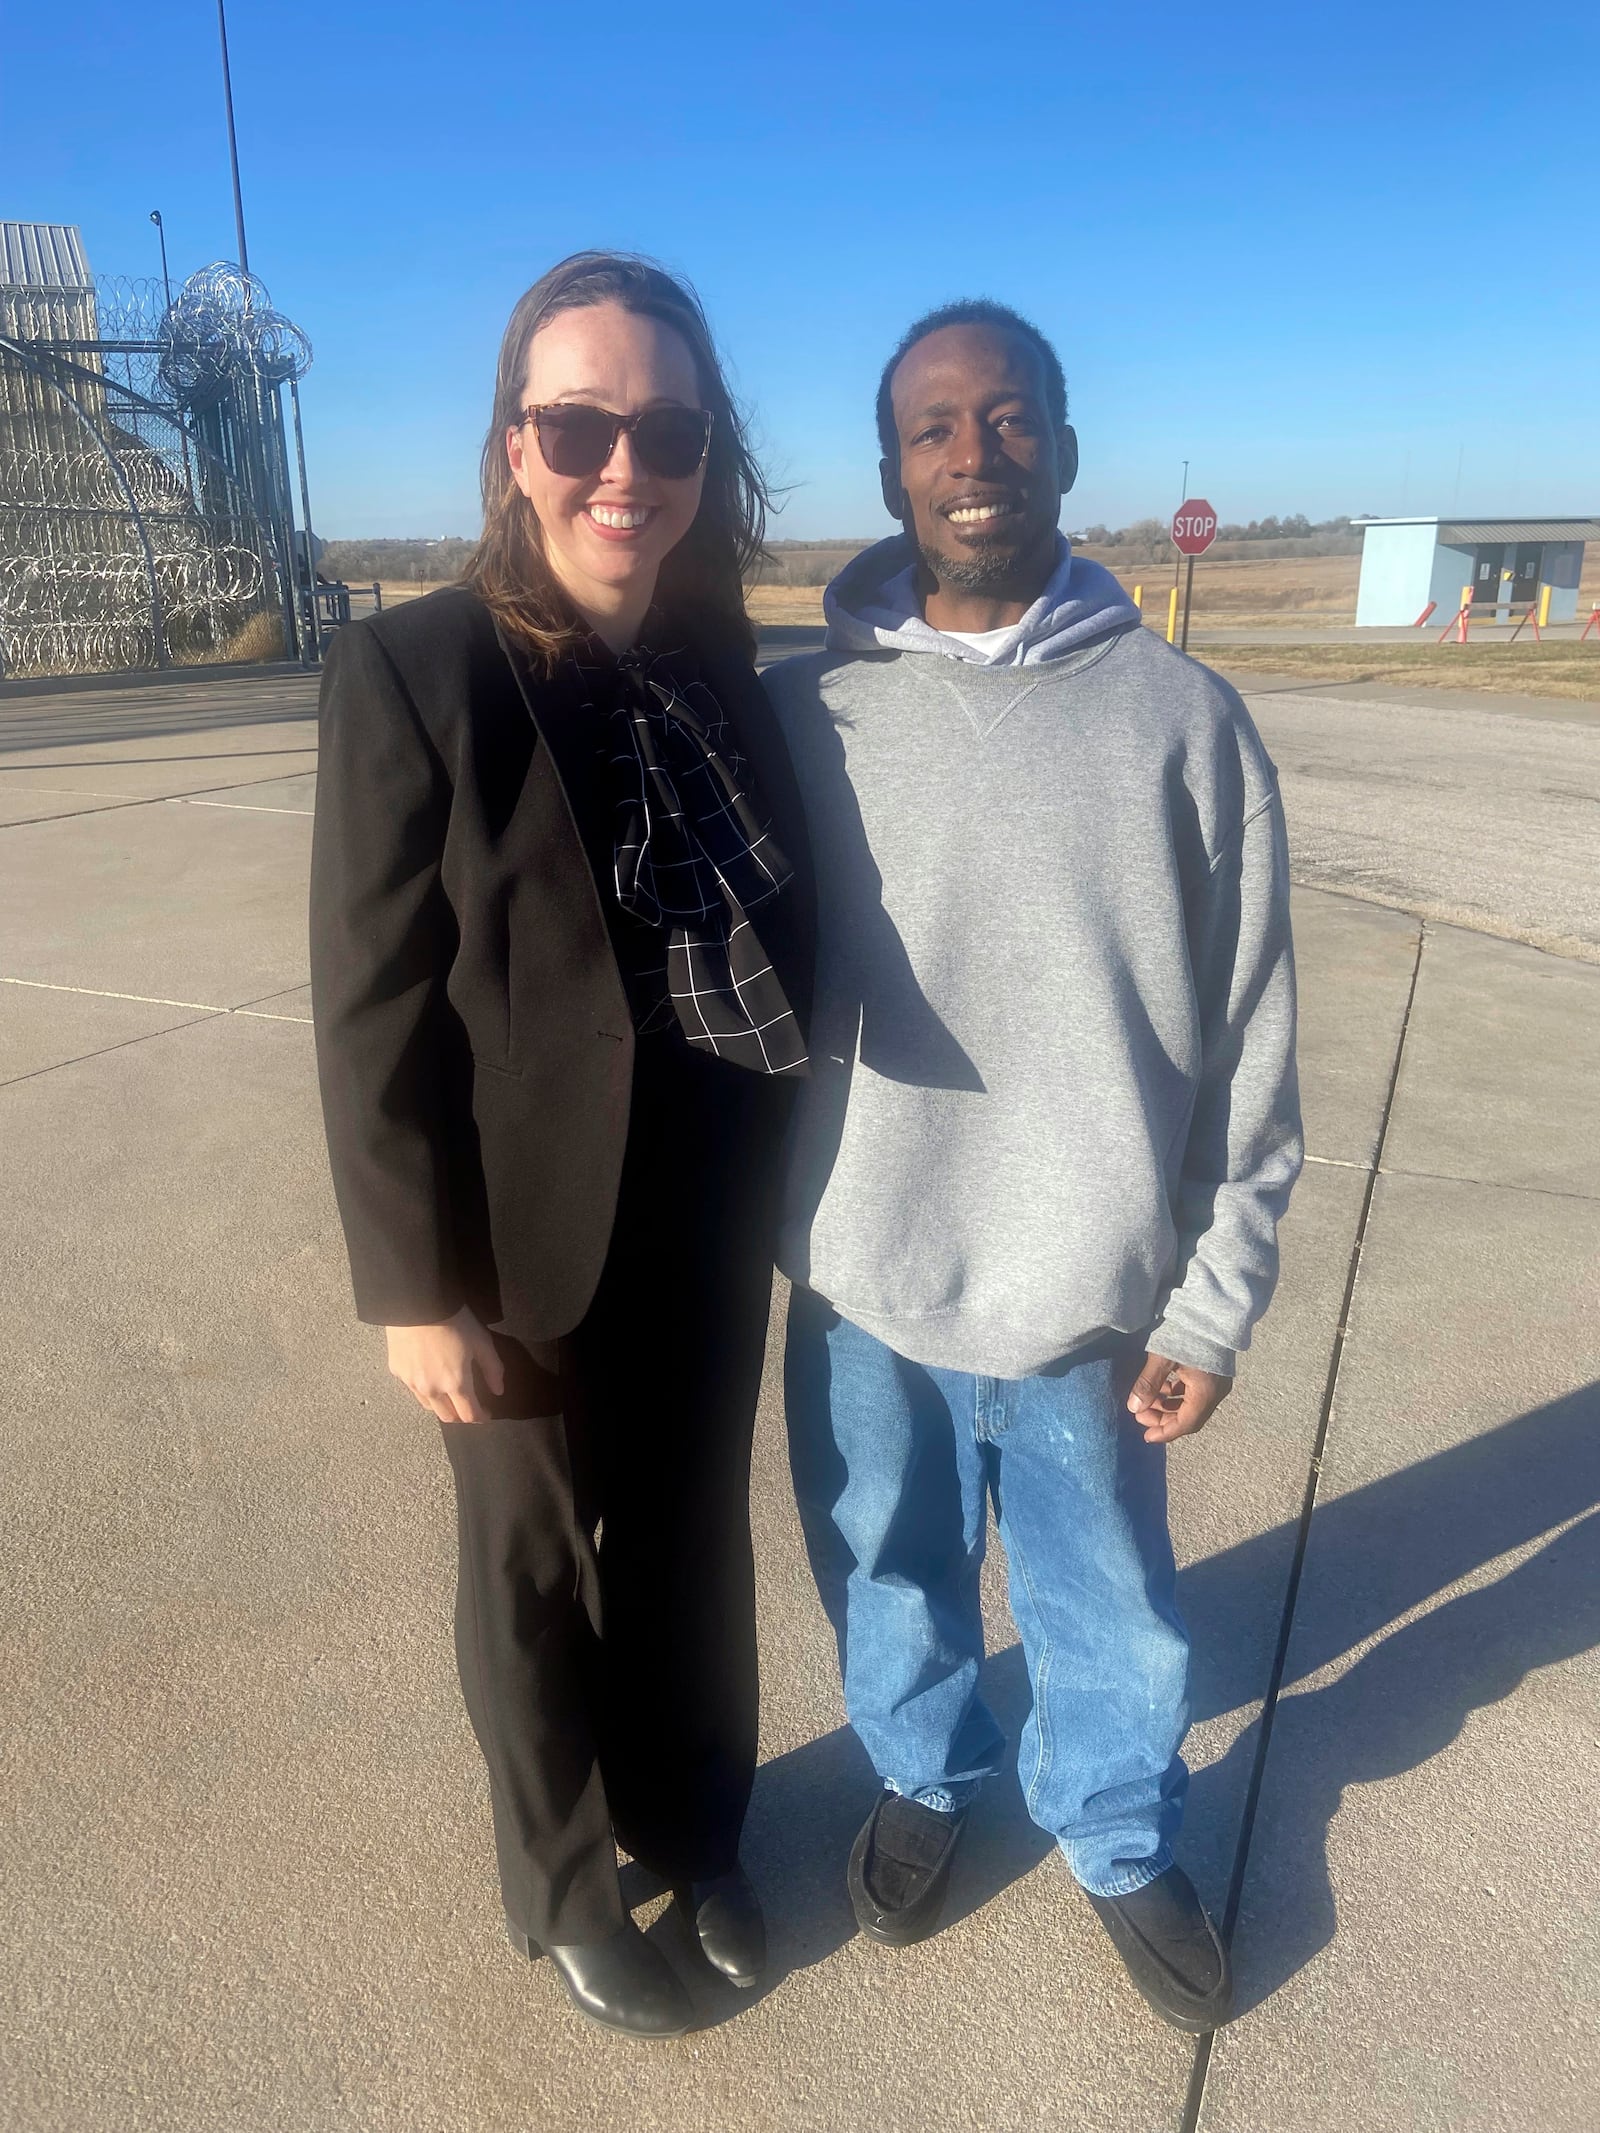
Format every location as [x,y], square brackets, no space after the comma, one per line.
[624,1983]
[725,1914]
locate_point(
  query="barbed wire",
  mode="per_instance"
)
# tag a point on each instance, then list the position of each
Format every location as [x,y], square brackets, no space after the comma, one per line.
[129,307]
[75,573]
[222,323]
[85,527]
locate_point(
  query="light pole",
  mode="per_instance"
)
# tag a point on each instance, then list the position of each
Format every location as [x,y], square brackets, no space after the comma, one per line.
[161,232]
[1177,560]
[233,142]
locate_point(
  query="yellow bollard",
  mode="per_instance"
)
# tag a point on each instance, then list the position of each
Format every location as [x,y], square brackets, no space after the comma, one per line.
[1172,617]
[1544,605]
[1138,599]
[1466,617]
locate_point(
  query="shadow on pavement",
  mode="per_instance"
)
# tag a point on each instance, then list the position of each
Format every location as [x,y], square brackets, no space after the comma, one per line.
[59,722]
[1392,1544]
[1405,1701]
[1377,1553]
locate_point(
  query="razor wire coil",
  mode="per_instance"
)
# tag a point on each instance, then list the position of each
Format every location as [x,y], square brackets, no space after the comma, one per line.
[142,471]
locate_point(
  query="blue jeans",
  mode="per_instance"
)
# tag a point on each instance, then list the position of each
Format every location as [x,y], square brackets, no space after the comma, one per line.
[893,1462]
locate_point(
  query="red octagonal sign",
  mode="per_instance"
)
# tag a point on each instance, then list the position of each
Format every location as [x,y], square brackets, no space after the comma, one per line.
[1194,526]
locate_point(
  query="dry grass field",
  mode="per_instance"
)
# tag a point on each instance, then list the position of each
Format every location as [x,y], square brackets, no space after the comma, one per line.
[1311,592]
[1556,668]
[1278,592]
[800,605]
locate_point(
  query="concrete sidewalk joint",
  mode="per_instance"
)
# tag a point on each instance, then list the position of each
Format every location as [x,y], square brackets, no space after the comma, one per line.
[1194,2102]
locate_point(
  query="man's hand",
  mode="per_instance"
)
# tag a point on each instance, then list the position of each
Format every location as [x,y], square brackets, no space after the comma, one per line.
[435,1363]
[1175,1399]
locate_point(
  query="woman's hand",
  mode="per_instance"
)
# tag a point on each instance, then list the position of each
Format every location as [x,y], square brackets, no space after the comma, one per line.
[435,1363]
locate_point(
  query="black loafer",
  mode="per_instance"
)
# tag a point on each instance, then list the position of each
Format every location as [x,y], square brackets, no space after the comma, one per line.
[624,1983]
[900,1869]
[725,1915]
[1173,1952]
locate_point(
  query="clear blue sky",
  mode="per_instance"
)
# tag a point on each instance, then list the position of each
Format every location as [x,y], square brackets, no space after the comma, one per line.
[1319,252]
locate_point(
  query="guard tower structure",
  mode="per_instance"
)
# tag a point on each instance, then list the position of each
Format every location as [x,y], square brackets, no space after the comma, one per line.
[1510,564]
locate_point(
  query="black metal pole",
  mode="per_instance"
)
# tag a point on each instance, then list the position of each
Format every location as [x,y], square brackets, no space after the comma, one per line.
[1188,595]
[314,650]
[161,232]
[274,400]
[233,140]
[1177,561]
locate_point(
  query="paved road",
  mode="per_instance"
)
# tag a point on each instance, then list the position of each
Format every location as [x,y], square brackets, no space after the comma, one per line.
[245,1846]
[1486,817]
[1480,810]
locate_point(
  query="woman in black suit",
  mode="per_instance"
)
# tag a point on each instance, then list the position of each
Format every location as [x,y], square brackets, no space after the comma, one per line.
[560,957]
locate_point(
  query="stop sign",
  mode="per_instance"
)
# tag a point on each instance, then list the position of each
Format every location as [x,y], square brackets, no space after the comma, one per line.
[1194,526]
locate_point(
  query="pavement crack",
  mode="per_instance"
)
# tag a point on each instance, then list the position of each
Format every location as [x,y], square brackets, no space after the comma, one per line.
[167,799]
[1452,1177]
[100,1050]
[1194,2101]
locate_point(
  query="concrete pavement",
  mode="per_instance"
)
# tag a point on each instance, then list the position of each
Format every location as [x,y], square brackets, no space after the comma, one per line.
[247,1850]
[1477,808]
[1480,816]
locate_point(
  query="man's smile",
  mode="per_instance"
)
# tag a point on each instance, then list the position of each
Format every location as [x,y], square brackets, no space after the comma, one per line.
[980,511]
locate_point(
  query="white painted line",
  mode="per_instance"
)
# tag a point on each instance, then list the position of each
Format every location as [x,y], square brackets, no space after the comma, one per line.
[72,792]
[93,992]
[240,807]
[145,999]
[1334,1162]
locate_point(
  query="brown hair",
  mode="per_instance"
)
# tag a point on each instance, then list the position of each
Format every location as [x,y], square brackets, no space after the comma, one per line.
[703,577]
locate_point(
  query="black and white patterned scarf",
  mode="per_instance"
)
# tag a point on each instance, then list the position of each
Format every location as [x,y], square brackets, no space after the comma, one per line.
[695,856]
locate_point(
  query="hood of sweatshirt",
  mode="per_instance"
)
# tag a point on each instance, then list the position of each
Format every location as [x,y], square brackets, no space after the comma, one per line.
[871,606]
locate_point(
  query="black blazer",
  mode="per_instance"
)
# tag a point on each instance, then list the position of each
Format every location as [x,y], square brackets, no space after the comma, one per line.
[474,1043]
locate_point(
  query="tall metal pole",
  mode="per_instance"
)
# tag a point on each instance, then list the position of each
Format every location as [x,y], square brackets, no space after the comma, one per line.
[302,647]
[233,141]
[161,232]
[1177,560]
[314,652]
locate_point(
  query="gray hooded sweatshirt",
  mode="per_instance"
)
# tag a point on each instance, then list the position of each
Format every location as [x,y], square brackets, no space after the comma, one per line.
[1053,1086]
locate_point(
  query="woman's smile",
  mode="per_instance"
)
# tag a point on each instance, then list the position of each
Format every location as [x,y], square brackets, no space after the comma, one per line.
[617,521]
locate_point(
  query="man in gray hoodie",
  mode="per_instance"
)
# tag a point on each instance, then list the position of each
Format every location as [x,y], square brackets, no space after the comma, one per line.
[1051,1127]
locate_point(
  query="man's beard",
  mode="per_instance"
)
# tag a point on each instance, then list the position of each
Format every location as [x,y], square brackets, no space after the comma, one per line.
[992,570]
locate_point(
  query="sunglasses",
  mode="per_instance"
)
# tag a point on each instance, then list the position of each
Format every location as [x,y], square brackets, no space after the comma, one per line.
[575,439]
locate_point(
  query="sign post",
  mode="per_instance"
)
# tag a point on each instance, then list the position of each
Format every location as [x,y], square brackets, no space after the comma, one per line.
[1194,528]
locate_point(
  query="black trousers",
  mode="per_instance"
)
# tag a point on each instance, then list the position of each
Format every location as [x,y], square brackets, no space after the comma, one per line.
[605,1607]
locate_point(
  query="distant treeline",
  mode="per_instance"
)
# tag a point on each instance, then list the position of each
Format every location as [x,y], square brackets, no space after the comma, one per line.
[804,562]
[815,562]
[1146,540]
[393,562]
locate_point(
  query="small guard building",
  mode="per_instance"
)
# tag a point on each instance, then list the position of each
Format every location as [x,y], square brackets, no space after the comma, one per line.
[1508,562]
